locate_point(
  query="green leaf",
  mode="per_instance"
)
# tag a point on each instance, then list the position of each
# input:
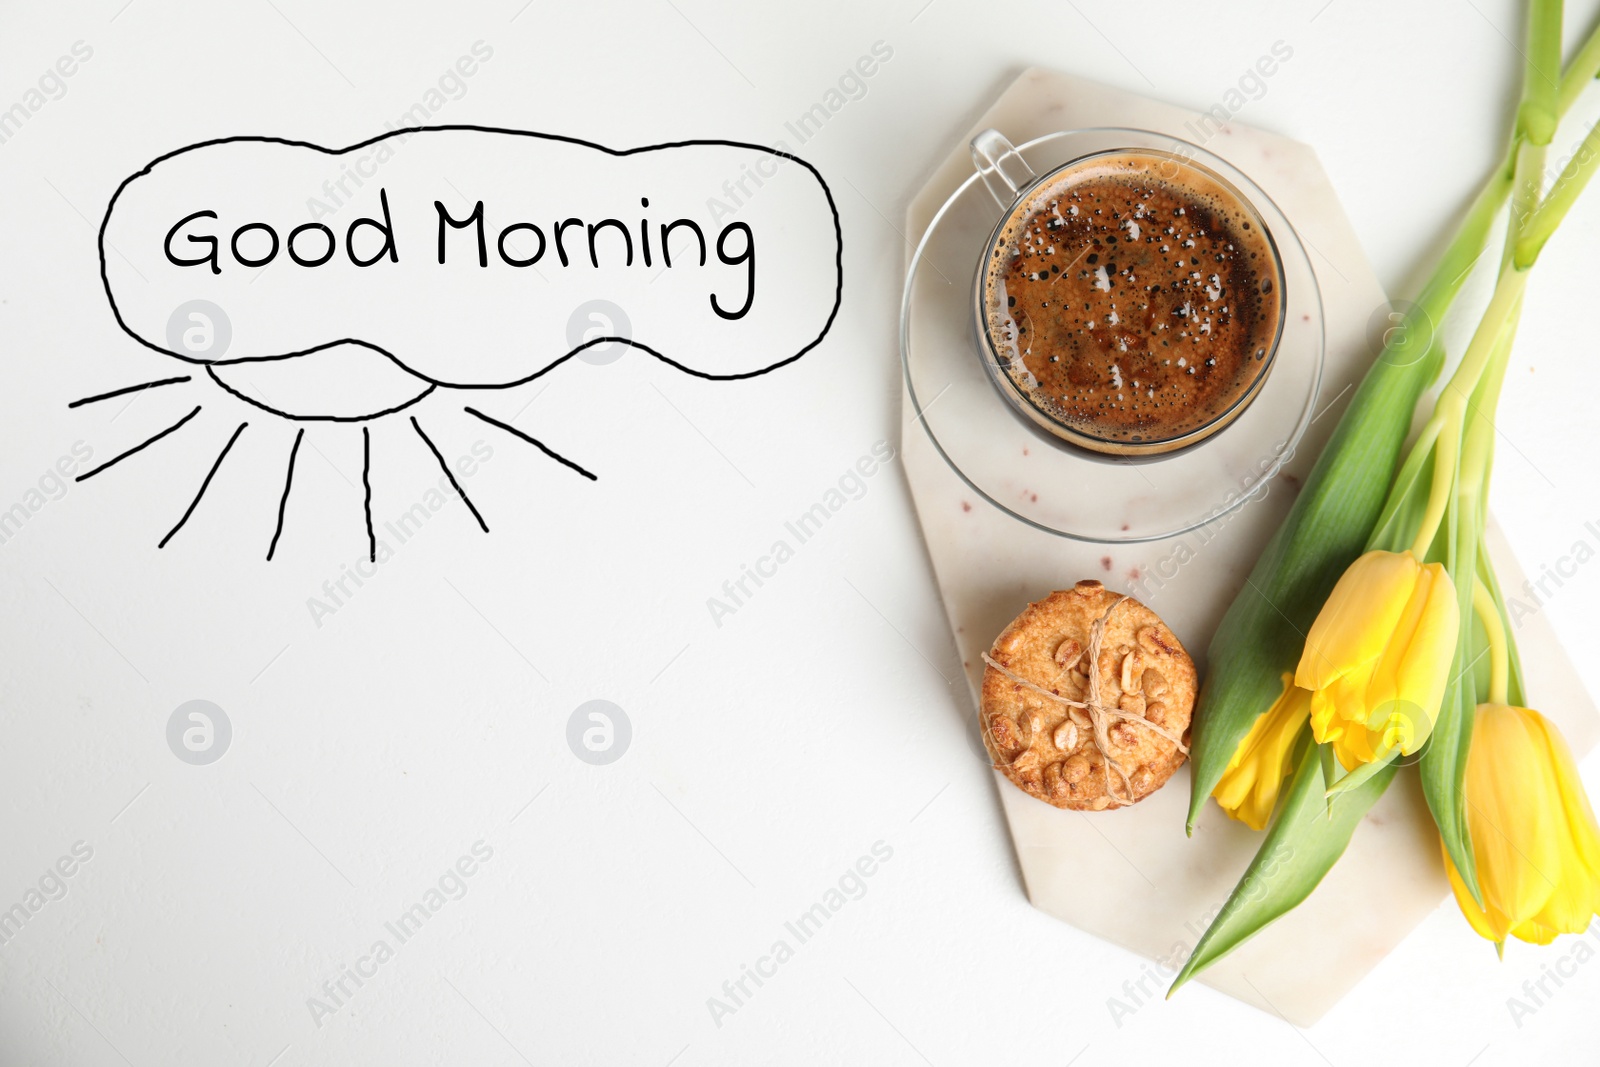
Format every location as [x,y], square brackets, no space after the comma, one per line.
[1443,770]
[1443,767]
[1330,769]
[1300,848]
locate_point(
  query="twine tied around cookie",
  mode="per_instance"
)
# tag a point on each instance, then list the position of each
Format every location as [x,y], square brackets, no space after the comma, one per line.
[1099,714]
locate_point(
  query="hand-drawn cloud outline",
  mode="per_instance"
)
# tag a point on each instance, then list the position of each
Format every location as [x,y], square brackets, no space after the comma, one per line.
[838,258]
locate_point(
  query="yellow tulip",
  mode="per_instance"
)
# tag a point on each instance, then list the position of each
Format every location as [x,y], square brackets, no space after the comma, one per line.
[1378,657]
[1249,787]
[1534,835]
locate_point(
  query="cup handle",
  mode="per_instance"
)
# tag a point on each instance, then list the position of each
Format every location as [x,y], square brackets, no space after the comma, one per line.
[1005,173]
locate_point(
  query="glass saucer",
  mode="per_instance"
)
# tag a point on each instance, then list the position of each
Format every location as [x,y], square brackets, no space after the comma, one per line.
[1049,484]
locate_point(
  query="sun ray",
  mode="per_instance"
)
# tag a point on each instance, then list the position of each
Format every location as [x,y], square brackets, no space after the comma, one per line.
[283,502]
[114,460]
[540,445]
[366,490]
[204,485]
[448,474]
[127,389]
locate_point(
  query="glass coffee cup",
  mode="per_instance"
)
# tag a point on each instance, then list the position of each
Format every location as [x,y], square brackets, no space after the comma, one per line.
[1129,302]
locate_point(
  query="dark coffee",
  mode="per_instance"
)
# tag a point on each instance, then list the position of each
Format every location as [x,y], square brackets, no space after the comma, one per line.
[1133,299]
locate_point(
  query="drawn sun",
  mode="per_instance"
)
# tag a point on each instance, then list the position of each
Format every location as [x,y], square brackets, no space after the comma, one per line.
[345,382]
[521,252]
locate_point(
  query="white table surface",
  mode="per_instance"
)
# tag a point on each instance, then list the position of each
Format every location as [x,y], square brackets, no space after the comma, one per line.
[770,753]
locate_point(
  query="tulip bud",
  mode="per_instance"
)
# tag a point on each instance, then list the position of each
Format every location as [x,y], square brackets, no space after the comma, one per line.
[1249,787]
[1534,836]
[1378,657]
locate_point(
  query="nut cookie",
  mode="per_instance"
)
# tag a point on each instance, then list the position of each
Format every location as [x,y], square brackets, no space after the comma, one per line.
[1086,700]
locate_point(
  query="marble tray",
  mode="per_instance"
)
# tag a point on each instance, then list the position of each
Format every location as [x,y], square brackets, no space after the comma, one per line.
[1131,876]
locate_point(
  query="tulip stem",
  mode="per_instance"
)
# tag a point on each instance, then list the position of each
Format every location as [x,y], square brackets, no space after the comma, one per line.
[1527,185]
[1446,451]
[1563,194]
[1477,462]
[1529,216]
[1580,73]
[1514,691]
[1480,352]
[1499,659]
[1439,293]
[1538,111]
[1451,409]
[1477,453]
[1518,178]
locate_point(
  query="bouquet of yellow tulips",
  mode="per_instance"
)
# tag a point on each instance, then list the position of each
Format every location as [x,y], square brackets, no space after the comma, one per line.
[1372,628]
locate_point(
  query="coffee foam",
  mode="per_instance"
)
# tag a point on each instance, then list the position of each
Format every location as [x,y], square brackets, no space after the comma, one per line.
[1153,286]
